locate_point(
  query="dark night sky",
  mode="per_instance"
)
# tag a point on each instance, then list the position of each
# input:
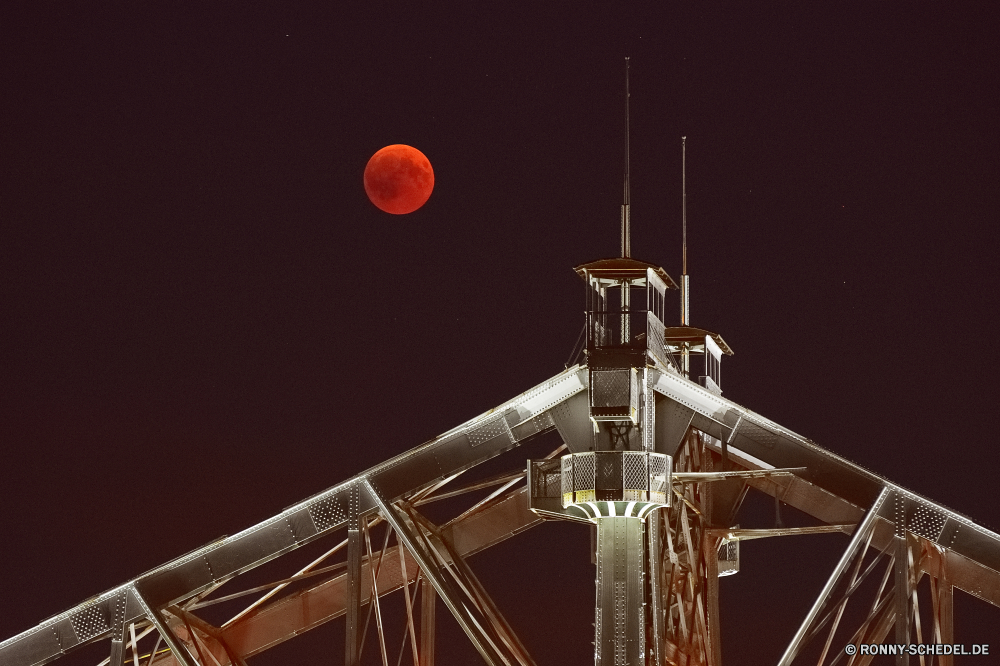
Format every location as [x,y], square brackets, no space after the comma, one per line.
[205,320]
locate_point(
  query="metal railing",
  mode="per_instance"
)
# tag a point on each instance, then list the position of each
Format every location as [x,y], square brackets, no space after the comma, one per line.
[615,476]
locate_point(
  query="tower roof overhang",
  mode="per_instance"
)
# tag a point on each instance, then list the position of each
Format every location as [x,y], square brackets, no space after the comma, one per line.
[623,268]
[694,336]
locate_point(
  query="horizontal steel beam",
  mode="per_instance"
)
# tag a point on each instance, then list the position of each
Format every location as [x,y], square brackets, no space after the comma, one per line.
[459,449]
[778,447]
[290,616]
[964,572]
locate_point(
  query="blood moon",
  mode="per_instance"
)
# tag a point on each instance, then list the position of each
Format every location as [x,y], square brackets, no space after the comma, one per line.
[399,179]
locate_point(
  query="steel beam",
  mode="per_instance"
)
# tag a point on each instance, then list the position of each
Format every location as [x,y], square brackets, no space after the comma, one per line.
[414,541]
[901,570]
[710,551]
[192,621]
[118,647]
[857,540]
[285,618]
[410,628]
[428,606]
[831,486]
[135,644]
[374,603]
[488,607]
[177,649]
[944,617]
[355,550]
[620,632]
[654,526]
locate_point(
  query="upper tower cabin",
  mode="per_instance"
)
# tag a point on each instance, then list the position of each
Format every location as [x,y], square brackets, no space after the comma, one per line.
[626,329]
[700,354]
[626,332]
[626,306]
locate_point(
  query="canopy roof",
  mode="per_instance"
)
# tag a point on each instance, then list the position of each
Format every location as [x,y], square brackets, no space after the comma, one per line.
[694,336]
[623,268]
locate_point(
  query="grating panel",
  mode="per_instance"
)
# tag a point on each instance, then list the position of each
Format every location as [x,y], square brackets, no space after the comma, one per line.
[584,468]
[634,474]
[654,335]
[553,483]
[615,476]
[567,480]
[546,478]
[658,473]
[611,388]
[609,474]
[633,391]
[89,622]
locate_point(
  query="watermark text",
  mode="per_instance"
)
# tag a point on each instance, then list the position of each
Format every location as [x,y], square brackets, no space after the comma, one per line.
[918,648]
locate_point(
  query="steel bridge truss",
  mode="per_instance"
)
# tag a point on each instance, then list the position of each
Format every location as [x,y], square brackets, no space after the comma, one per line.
[900,545]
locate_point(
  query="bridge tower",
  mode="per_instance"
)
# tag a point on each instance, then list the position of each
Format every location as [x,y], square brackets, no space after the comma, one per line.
[651,457]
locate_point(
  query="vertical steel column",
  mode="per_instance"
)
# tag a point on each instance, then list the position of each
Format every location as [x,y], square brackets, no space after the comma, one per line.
[352,646]
[654,524]
[210,631]
[621,626]
[945,611]
[428,604]
[626,306]
[117,649]
[120,627]
[857,540]
[902,579]
[710,550]
[135,644]
[439,577]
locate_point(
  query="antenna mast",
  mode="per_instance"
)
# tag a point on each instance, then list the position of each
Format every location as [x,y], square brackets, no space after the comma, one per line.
[626,230]
[685,280]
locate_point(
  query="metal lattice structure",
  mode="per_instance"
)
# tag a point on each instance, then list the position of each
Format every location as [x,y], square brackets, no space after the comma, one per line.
[652,454]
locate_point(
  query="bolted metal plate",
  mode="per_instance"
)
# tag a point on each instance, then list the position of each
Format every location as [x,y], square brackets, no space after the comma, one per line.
[572,419]
[90,622]
[532,426]
[327,512]
[36,647]
[493,428]
[765,438]
[924,519]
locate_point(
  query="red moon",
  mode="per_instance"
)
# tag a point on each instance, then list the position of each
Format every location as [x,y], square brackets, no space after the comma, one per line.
[399,179]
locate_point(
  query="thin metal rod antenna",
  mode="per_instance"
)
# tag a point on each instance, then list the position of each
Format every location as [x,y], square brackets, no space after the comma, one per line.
[685,279]
[626,231]
[684,207]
